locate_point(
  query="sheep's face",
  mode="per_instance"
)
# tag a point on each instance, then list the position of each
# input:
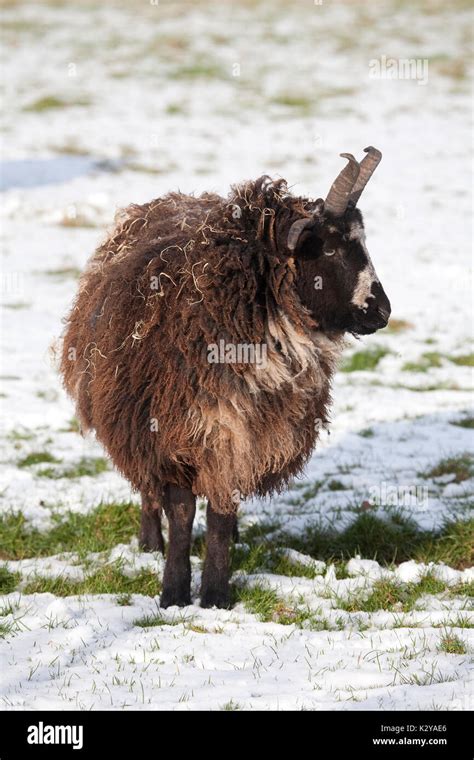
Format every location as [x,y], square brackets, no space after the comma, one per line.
[336,279]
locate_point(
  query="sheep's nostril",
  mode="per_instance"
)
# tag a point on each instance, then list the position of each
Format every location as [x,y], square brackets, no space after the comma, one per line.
[384,313]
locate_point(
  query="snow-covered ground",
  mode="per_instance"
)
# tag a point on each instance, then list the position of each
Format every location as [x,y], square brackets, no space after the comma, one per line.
[139,99]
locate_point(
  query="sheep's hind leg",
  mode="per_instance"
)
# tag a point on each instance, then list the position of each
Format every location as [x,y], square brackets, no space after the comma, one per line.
[180,507]
[215,590]
[151,537]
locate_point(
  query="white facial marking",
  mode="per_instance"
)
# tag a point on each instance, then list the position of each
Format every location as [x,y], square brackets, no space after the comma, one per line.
[367,276]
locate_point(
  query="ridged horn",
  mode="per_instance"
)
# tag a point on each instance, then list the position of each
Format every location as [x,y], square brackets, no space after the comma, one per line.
[367,167]
[338,196]
[295,231]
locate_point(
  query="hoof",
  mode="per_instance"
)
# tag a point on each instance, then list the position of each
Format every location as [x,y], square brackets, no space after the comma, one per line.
[173,599]
[215,598]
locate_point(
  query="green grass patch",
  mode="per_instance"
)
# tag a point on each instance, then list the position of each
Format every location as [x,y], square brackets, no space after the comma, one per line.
[5,629]
[86,466]
[108,579]
[366,360]
[64,273]
[467,360]
[462,467]
[152,621]
[394,596]
[434,360]
[38,457]
[20,435]
[97,531]
[51,102]
[452,644]
[366,433]
[428,360]
[392,540]
[465,422]
[8,581]
[198,70]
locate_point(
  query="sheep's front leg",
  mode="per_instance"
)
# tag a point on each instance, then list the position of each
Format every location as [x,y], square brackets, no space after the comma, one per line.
[215,590]
[180,508]
[151,537]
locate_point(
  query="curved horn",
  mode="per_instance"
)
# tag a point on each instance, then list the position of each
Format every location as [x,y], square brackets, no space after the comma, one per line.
[341,188]
[367,167]
[295,231]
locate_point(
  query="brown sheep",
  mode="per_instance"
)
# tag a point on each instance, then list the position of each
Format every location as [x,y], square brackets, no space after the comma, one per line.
[201,346]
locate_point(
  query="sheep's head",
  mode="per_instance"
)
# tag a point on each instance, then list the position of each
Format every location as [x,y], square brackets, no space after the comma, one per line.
[335,277]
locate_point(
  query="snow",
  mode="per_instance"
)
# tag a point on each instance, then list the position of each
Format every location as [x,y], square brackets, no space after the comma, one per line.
[139,127]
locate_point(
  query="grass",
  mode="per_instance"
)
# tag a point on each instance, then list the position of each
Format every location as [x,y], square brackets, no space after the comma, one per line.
[393,596]
[366,360]
[97,531]
[51,102]
[465,422]
[108,579]
[38,457]
[392,540]
[428,360]
[434,360]
[151,621]
[8,581]
[86,466]
[452,644]
[64,273]
[462,467]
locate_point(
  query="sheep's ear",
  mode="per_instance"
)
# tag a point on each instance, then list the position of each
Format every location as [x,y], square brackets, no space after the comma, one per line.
[296,231]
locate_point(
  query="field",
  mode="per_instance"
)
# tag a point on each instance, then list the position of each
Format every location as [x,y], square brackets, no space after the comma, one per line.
[353,590]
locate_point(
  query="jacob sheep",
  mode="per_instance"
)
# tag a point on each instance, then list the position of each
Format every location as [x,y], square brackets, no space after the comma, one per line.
[159,350]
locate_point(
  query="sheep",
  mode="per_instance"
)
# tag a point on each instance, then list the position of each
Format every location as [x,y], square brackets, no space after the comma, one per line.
[159,350]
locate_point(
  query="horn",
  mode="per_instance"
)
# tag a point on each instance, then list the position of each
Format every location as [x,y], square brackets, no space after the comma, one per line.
[295,231]
[341,188]
[367,167]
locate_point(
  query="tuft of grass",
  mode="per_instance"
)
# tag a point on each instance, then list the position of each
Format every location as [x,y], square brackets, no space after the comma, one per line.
[99,530]
[452,644]
[73,426]
[8,581]
[366,360]
[20,435]
[38,457]
[428,360]
[5,629]
[64,273]
[86,466]
[108,579]
[198,70]
[462,467]
[231,706]
[260,601]
[124,600]
[151,621]
[465,422]
[394,595]
[467,360]
[51,102]
[366,433]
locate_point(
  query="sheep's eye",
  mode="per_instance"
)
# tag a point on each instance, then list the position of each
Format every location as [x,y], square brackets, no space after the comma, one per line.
[330,252]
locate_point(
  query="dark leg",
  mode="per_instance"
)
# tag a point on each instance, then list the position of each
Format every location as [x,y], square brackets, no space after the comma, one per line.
[151,537]
[215,577]
[180,507]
